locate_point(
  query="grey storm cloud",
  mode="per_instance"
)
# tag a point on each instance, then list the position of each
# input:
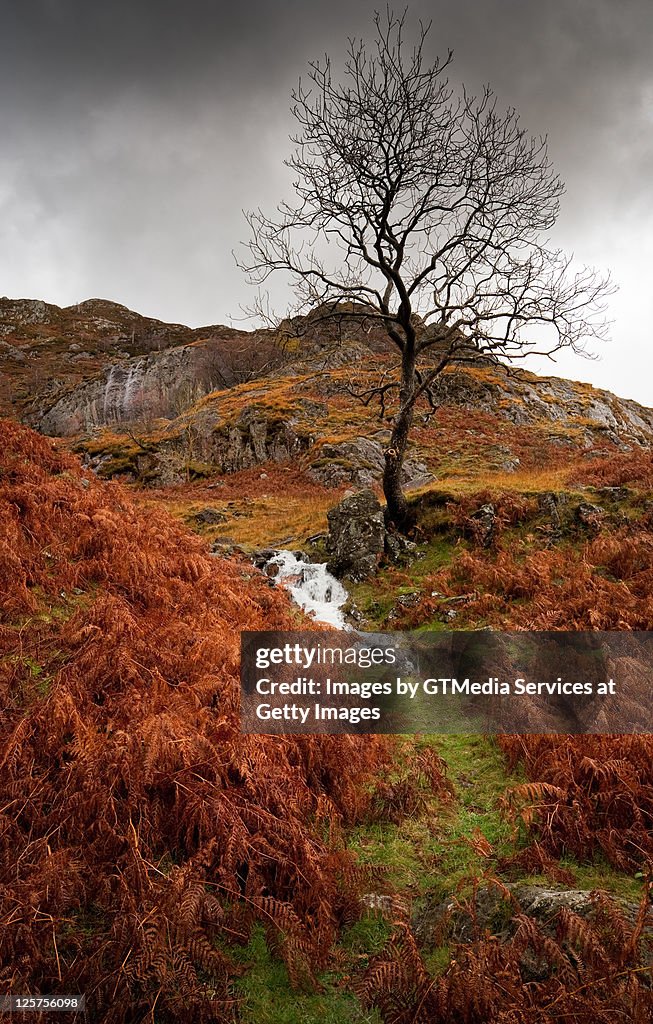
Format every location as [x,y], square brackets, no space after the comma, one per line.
[133,134]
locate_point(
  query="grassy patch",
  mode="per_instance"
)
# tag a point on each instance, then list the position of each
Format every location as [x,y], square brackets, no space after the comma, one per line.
[434,852]
[376,598]
[477,770]
[267,997]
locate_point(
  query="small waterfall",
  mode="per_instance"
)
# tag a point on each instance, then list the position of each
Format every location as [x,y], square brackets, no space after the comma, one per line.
[121,390]
[110,388]
[130,385]
[314,589]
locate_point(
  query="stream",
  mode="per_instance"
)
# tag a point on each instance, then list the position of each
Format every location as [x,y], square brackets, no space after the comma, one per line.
[314,589]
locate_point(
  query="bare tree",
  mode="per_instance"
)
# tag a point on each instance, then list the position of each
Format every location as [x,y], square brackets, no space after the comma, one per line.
[425,210]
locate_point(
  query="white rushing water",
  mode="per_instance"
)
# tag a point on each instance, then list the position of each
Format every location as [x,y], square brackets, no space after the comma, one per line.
[121,388]
[313,588]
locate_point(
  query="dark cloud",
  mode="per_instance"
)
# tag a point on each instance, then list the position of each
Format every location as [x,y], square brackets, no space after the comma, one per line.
[133,134]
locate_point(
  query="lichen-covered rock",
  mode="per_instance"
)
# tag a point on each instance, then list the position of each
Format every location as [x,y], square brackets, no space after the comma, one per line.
[398,547]
[12,352]
[494,908]
[522,398]
[209,517]
[590,515]
[251,441]
[14,312]
[484,524]
[549,505]
[356,538]
[360,462]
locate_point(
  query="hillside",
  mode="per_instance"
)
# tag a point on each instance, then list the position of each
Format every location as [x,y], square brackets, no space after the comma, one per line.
[155,859]
[171,868]
[74,371]
[117,363]
[488,417]
[134,812]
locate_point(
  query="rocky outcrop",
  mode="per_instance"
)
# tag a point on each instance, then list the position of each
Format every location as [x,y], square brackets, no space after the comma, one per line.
[11,352]
[590,515]
[254,439]
[356,538]
[209,517]
[523,398]
[549,504]
[206,445]
[360,462]
[484,522]
[97,363]
[284,396]
[20,312]
[94,323]
[157,385]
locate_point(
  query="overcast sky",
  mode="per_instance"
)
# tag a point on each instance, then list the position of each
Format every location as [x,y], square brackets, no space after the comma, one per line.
[134,133]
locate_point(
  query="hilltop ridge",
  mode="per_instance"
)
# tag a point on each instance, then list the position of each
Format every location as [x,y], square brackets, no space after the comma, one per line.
[55,362]
[48,351]
[98,366]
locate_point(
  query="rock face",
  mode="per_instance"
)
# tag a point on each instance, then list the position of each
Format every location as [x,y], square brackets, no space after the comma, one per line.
[254,439]
[152,386]
[207,445]
[485,521]
[99,363]
[157,385]
[549,504]
[356,536]
[15,312]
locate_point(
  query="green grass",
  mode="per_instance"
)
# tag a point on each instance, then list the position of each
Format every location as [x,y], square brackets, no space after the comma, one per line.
[426,856]
[599,875]
[376,598]
[267,997]
[457,835]
[437,853]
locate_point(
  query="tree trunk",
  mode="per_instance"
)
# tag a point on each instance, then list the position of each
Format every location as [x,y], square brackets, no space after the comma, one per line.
[397,510]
